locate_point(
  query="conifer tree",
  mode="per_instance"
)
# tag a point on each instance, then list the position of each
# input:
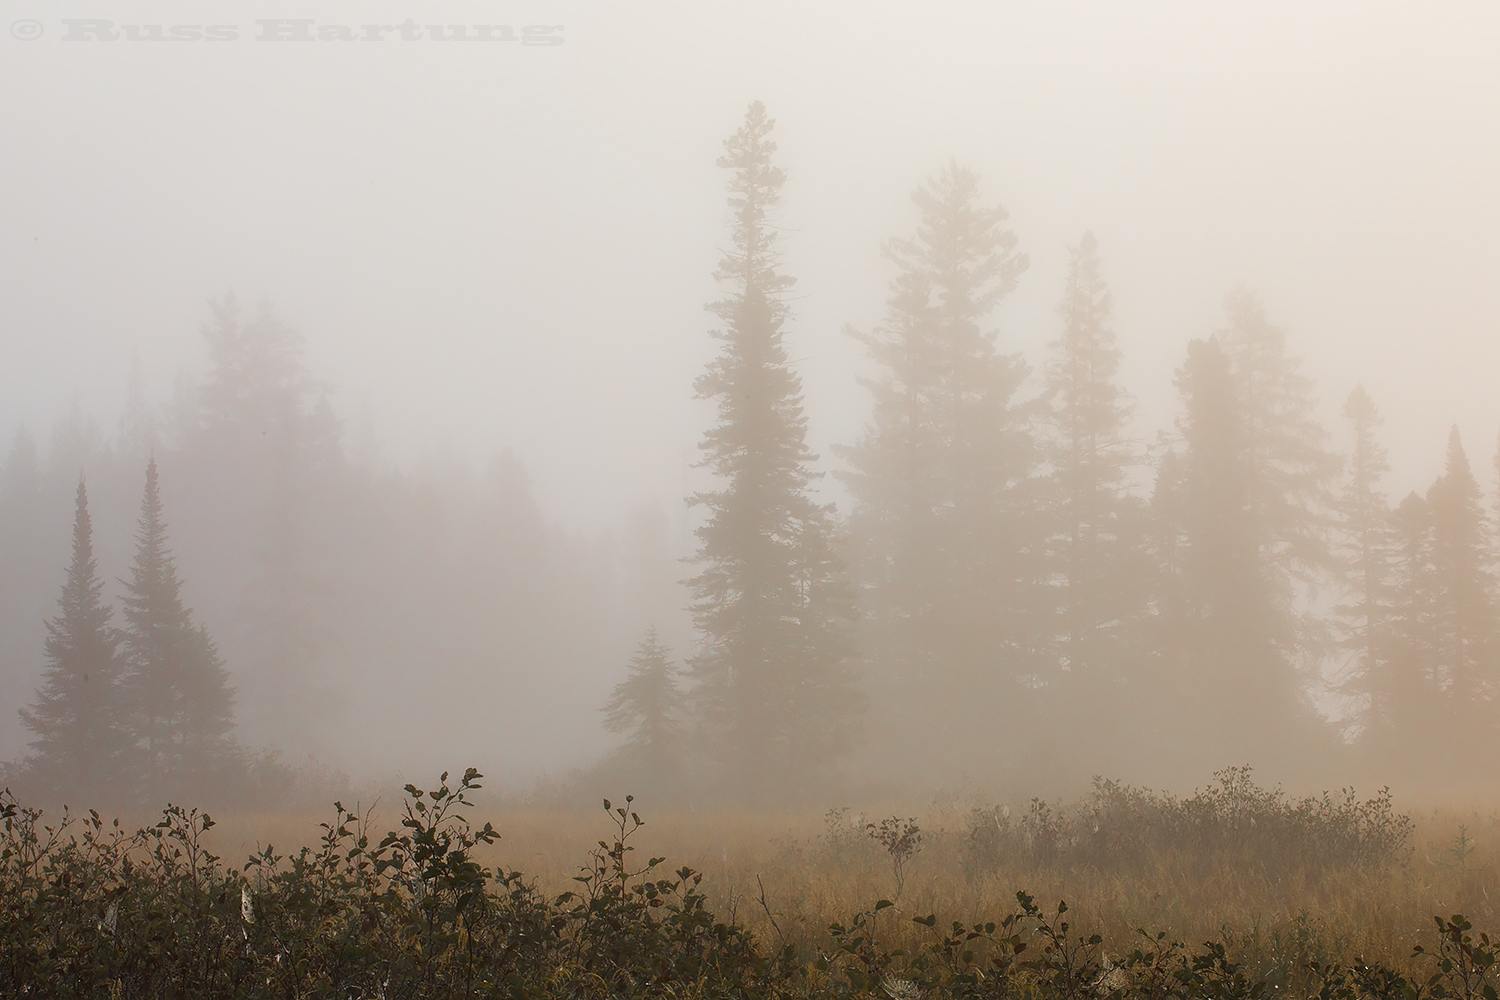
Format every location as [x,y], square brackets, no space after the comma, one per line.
[1464,626]
[1290,467]
[1365,550]
[647,706]
[1094,523]
[1256,501]
[946,550]
[81,742]
[1239,689]
[1406,690]
[178,687]
[266,454]
[1095,531]
[773,680]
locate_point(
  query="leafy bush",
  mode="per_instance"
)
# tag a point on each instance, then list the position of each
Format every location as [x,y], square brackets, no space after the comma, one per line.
[1124,828]
[89,910]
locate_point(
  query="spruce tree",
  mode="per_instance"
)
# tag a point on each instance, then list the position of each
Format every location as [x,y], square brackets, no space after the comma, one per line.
[773,681]
[1464,626]
[1257,502]
[1095,530]
[1094,523]
[266,456]
[179,691]
[1364,519]
[1238,687]
[945,546]
[647,707]
[1406,690]
[1290,467]
[81,742]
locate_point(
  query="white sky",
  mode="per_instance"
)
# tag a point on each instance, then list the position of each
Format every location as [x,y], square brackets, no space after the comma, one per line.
[492,245]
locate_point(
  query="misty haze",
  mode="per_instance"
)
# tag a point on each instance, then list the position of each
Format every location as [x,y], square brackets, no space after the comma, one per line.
[936,461]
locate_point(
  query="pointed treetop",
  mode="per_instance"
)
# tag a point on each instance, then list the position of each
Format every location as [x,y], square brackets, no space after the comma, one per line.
[1456,460]
[84,566]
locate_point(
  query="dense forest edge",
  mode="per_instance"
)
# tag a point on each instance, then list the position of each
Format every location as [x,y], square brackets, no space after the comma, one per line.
[1004,574]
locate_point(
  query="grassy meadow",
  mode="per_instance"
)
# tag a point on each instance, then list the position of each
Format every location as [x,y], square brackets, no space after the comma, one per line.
[1237,890]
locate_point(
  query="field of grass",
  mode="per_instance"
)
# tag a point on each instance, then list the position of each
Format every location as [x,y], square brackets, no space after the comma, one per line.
[1234,891]
[1279,900]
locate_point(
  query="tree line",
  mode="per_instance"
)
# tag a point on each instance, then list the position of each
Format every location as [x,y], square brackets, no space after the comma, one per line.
[1018,590]
[367,616]
[134,710]
[1001,599]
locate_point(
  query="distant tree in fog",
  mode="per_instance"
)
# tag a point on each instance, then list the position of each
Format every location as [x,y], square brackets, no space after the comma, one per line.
[1366,552]
[1095,530]
[1464,621]
[1405,687]
[1248,520]
[647,707]
[1433,679]
[176,686]
[81,740]
[773,683]
[263,452]
[945,543]
[1291,469]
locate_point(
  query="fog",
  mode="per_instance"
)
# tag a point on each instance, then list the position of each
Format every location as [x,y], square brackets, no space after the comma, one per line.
[503,249]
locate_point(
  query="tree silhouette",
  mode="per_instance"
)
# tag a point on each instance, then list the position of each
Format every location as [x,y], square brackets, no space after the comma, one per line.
[950,619]
[1366,553]
[178,687]
[1236,687]
[1095,530]
[648,708]
[772,682]
[1094,520]
[81,740]
[1406,686]
[1464,622]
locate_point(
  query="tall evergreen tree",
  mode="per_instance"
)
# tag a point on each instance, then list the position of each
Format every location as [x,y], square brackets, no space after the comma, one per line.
[1366,556]
[1290,467]
[947,552]
[179,689]
[1257,501]
[647,707]
[773,679]
[1239,690]
[1095,524]
[1464,626]
[81,742]
[1096,531]
[1407,708]
[266,453]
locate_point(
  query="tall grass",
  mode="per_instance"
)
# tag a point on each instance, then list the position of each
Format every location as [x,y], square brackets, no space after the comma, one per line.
[1233,891]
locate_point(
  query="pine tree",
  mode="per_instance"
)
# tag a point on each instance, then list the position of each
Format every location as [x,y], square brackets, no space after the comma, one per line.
[1291,469]
[266,455]
[1365,531]
[1239,686]
[647,706]
[1096,531]
[1095,524]
[81,742]
[1407,699]
[1256,507]
[179,690]
[1464,626]
[944,544]
[772,681]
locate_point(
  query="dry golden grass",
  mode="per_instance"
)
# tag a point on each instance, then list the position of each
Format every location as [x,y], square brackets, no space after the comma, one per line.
[810,878]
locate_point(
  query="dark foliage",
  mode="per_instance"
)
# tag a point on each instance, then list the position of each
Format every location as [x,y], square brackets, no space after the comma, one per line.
[89,910]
